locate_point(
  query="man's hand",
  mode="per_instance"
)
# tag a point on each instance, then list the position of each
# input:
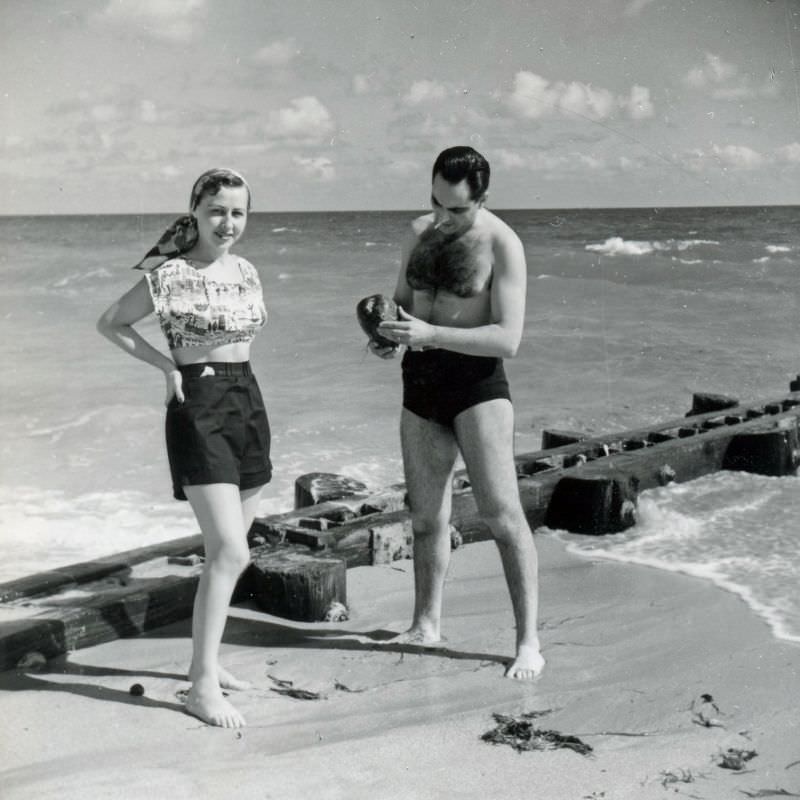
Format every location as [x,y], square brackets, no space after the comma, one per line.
[408,330]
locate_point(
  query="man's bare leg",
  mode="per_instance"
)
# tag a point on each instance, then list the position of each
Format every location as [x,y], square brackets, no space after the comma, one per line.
[485,435]
[429,454]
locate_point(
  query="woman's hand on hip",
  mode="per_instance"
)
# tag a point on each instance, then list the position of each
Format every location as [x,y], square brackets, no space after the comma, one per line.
[174,386]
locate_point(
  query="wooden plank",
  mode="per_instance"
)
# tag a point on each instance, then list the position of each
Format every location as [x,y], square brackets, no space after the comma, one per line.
[69,621]
[86,571]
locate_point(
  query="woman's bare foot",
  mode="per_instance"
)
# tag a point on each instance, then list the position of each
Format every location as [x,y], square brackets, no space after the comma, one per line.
[226,680]
[528,664]
[206,702]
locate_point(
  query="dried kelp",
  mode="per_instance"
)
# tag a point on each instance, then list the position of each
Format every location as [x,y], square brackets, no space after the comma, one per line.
[521,734]
[668,777]
[287,689]
[734,758]
[300,694]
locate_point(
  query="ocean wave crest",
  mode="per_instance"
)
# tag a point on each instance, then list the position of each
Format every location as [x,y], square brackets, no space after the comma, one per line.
[618,246]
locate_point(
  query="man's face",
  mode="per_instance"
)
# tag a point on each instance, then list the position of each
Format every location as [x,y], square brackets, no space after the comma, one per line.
[454,209]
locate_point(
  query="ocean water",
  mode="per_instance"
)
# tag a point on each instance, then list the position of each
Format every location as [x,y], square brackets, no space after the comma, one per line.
[629,311]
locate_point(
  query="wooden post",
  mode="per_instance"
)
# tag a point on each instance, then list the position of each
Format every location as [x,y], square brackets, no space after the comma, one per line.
[319,487]
[291,583]
[703,402]
[764,452]
[597,504]
[557,438]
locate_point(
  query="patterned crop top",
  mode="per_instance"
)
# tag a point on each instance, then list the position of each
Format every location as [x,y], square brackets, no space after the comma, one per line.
[197,312]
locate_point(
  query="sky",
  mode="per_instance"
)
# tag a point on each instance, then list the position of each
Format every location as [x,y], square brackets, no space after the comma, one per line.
[115,106]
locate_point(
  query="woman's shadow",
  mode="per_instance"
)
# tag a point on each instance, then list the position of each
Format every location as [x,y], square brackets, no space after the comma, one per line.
[242,631]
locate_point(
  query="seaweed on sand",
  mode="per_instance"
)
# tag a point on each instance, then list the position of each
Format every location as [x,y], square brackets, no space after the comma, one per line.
[734,758]
[520,734]
[668,777]
[287,688]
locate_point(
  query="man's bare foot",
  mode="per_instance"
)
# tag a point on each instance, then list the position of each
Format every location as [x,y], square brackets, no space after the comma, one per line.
[226,680]
[528,664]
[419,636]
[208,704]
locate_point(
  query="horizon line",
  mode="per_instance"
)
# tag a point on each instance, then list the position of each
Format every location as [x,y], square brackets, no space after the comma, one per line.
[408,210]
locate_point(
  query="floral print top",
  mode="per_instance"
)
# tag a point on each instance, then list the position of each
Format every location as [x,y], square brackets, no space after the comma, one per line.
[194,311]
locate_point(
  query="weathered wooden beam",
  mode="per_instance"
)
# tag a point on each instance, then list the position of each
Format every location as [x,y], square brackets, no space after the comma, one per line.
[764,452]
[295,584]
[551,437]
[68,621]
[86,571]
[703,402]
[593,504]
[317,487]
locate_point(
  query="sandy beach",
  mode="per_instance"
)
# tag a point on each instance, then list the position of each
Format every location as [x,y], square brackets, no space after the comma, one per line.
[628,648]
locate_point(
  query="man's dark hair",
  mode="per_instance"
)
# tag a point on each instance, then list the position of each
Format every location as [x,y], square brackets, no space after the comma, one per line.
[458,163]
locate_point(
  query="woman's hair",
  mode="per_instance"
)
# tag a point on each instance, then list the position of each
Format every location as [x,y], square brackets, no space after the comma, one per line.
[211,181]
[458,163]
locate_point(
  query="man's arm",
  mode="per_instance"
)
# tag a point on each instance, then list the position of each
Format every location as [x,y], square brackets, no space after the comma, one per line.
[403,293]
[500,338]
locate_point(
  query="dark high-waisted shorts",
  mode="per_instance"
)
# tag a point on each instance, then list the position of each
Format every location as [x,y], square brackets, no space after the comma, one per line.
[220,433]
[440,384]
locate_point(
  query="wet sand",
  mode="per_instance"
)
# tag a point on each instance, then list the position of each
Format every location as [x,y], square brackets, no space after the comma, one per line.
[628,649]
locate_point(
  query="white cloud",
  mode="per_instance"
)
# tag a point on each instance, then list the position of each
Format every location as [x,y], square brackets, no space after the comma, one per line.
[508,159]
[12,141]
[722,81]
[544,161]
[319,168]
[534,97]
[403,167]
[738,156]
[105,112]
[635,6]
[590,161]
[276,54]
[147,111]
[789,152]
[173,21]
[713,71]
[305,119]
[363,84]
[423,92]
[638,105]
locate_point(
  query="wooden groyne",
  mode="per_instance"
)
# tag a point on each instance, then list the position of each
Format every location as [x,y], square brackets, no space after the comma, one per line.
[299,558]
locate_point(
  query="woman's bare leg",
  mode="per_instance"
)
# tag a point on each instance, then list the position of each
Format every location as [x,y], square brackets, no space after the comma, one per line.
[218,508]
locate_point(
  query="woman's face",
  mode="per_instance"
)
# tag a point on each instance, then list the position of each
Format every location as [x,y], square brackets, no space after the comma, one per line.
[222,217]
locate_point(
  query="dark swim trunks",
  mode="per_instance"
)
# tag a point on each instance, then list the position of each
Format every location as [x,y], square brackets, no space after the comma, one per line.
[220,433]
[439,384]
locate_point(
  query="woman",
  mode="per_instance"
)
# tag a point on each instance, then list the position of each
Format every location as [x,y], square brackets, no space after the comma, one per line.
[209,304]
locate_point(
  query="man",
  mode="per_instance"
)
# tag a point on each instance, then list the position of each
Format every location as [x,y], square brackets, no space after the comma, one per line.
[461,293]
